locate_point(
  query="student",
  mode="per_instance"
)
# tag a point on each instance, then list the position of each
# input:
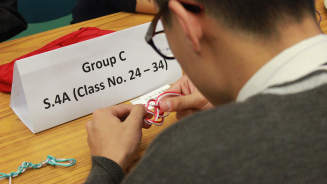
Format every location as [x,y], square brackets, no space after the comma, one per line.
[90,9]
[262,65]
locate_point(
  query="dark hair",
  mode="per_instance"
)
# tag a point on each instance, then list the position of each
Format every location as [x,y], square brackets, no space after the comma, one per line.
[256,16]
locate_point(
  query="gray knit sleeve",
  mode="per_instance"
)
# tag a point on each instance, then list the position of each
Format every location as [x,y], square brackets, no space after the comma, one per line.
[104,170]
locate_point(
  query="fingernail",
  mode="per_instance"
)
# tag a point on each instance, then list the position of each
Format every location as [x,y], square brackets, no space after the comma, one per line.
[168,105]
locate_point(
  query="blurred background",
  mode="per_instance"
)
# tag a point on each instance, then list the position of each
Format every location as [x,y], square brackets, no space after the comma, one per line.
[44,15]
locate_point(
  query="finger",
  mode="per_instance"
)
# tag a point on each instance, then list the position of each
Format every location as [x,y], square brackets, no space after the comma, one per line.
[112,114]
[179,103]
[146,126]
[120,111]
[176,87]
[181,86]
[148,115]
[136,115]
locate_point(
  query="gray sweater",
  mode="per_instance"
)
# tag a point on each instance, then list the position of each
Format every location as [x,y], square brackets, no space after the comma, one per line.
[269,138]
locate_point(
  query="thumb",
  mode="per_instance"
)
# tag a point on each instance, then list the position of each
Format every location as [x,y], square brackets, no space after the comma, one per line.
[179,103]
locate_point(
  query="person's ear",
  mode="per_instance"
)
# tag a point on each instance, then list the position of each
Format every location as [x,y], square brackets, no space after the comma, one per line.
[190,23]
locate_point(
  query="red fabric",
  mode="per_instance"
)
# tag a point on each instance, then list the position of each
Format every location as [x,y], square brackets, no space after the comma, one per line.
[86,33]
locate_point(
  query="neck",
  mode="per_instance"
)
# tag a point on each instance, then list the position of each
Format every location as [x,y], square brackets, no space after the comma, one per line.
[234,58]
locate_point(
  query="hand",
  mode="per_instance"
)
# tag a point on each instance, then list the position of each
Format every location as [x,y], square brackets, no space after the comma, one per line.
[191,102]
[145,6]
[115,132]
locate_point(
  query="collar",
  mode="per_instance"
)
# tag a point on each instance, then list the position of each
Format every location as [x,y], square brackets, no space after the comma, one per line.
[289,65]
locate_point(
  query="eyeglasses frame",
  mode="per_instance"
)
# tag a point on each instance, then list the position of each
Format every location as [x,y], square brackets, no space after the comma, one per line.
[195,8]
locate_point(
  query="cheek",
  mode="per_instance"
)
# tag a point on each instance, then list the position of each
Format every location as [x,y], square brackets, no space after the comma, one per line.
[170,39]
[179,48]
[174,44]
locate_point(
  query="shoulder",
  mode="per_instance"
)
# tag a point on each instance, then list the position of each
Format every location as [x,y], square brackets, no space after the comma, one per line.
[260,116]
[266,136]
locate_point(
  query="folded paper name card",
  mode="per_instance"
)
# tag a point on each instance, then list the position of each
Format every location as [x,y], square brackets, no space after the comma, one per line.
[64,84]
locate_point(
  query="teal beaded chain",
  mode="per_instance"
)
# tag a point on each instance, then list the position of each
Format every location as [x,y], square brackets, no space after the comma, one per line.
[49,161]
